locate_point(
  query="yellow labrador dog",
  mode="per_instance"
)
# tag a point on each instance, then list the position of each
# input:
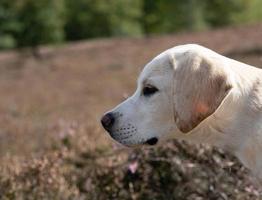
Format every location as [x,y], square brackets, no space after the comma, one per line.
[193,93]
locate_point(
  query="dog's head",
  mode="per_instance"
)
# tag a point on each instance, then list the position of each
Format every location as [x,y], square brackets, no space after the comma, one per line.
[175,93]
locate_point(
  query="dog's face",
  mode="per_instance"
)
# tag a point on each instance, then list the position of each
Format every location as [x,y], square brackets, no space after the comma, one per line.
[147,115]
[175,92]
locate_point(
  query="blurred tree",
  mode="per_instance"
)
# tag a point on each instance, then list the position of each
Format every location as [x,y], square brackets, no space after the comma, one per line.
[85,19]
[101,18]
[251,12]
[150,19]
[221,13]
[41,22]
[9,24]
[125,17]
[169,16]
[35,22]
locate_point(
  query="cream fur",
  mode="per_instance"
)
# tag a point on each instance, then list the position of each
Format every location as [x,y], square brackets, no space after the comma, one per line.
[203,97]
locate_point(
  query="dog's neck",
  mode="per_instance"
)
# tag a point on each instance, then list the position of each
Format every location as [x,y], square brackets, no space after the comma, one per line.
[250,126]
[240,113]
[237,124]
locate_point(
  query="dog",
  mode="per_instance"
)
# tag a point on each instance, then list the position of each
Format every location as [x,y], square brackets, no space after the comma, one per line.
[192,93]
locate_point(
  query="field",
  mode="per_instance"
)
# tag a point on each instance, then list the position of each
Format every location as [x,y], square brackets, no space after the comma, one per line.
[53,147]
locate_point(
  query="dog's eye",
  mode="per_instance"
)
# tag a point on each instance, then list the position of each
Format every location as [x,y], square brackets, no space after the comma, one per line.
[149,90]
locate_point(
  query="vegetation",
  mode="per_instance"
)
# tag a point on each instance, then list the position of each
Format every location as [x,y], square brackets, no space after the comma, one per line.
[31,23]
[174,171]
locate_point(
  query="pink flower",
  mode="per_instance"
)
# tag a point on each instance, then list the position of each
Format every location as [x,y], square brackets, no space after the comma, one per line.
[132,167]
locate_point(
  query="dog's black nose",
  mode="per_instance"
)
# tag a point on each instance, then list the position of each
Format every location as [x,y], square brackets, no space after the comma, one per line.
[107,121]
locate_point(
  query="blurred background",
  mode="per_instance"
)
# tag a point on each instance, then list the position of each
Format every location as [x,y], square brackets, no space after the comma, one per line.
[31,23]
[63,63]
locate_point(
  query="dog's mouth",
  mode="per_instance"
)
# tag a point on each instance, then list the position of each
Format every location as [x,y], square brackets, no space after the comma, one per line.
[152,141]
[125,141]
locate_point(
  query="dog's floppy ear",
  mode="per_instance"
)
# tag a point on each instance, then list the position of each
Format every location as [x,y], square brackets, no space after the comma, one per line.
[200,85]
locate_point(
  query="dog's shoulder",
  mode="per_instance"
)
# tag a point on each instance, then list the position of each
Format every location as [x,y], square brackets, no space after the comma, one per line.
[255,100]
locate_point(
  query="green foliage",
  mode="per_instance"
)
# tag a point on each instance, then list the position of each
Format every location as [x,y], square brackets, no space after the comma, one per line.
[9,24]
[251,13]
[7,41]
[85,19]
[125,16]
[101,18]
[31,23]
[41,22]
[169,16]
[221,13]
